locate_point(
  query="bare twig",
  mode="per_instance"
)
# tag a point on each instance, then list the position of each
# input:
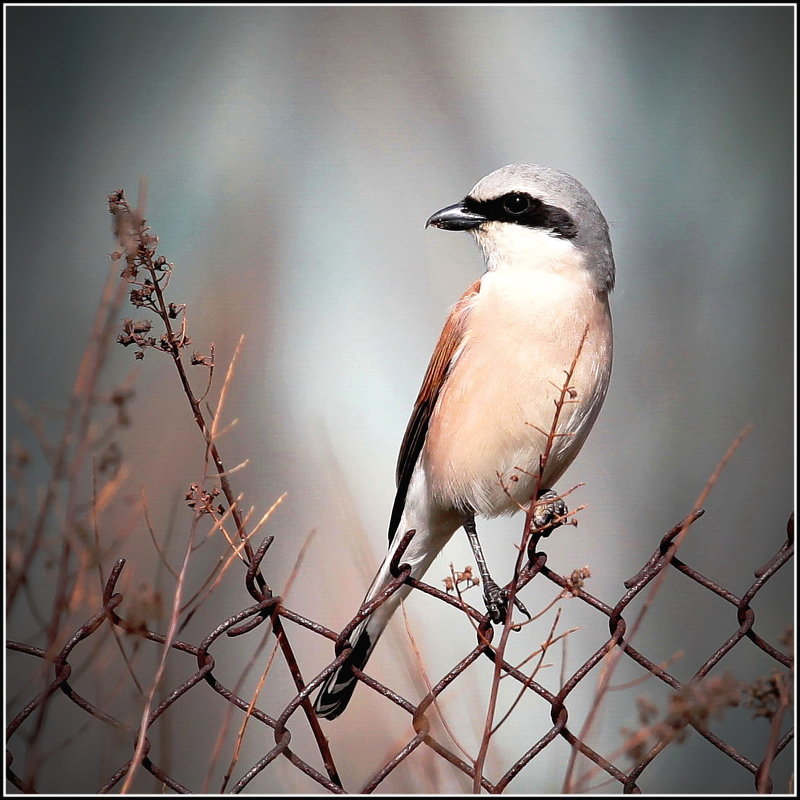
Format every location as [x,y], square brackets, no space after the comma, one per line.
[565,394]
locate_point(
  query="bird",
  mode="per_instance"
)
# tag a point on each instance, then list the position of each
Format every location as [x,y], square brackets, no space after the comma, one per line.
[479,425]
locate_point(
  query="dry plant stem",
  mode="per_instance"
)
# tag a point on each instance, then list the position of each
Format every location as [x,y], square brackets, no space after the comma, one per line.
[234,760]
[114,632]
[265,672]
[78,412]
[615,654]
[499,658]
[763,781]
[428,686]
[162,665]
[161,554]
[85,388]
[68,465]
[662,665]
[551,640]
[214,578]
[227,489]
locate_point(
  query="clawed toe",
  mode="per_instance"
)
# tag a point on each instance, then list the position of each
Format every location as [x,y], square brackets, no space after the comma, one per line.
[497,602]
[549,514]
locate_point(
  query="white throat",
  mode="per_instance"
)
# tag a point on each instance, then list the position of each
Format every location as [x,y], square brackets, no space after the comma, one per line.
[515,247]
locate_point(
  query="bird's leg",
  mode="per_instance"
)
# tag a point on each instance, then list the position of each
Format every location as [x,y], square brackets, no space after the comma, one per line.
[549,513]
[496,599]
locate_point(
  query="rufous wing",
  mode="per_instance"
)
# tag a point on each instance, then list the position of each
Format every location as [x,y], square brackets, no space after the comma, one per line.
[447,350]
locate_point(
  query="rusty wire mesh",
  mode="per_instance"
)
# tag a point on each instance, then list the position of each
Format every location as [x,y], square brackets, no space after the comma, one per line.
[269,608]
[294,734]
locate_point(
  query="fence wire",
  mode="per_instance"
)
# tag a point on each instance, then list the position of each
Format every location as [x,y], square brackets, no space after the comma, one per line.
[268,608]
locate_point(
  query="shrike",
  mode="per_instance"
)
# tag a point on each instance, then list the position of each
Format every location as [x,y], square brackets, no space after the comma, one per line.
[480,422]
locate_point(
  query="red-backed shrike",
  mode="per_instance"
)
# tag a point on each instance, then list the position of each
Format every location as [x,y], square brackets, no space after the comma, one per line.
[478,428]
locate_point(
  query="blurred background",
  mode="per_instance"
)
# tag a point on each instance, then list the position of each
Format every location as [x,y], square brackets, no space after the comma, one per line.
[291,157]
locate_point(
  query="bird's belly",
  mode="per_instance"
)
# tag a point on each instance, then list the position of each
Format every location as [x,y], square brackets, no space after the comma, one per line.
[498,408]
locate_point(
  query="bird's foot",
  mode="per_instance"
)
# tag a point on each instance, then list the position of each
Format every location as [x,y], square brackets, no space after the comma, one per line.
[496,600]
[550,513]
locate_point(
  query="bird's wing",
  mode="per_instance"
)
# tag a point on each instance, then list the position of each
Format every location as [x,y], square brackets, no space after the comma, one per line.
[444,355]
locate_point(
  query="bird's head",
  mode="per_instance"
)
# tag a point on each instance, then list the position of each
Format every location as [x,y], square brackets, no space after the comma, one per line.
[526,216]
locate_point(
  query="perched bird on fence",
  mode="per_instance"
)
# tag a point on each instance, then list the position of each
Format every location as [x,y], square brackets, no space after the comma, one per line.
[481,421]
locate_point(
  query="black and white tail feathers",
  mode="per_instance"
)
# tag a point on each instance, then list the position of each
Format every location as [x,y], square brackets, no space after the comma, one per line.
[337,690]
[431,535]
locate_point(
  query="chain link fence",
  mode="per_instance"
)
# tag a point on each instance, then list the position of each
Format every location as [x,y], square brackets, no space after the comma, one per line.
[696,697]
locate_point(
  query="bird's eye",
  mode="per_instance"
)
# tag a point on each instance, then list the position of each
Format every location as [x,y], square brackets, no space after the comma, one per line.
[516,203]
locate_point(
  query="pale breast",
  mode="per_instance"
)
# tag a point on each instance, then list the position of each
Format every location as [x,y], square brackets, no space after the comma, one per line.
[491,421]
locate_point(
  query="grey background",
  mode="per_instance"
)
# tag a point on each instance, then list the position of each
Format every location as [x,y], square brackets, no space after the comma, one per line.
[292,157]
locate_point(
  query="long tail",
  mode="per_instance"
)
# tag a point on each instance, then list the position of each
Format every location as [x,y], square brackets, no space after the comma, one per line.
[338,689]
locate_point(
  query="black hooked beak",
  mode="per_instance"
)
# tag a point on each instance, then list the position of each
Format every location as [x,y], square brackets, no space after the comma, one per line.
[456,218]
